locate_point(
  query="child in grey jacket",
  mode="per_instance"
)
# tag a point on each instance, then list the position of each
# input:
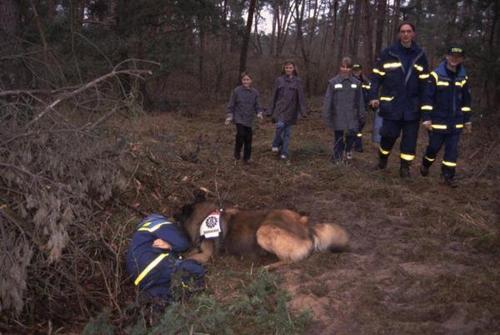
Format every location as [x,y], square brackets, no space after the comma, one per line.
[344,109]
[241,110]
[287,104]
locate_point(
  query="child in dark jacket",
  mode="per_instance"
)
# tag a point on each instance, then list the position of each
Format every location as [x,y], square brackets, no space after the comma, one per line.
[287,103]
[241,110]
[344,110]
[446,112]
[153,257]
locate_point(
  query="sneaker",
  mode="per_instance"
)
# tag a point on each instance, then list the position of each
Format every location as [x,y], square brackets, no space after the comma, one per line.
[283,157]
[349,155]
[275,149]
[424,170]
[336,161]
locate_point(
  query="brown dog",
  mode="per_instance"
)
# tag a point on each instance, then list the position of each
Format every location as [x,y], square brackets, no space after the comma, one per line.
[282,232]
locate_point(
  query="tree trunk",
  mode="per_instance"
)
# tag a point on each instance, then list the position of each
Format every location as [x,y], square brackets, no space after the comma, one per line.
[272,42]
[51,11]
[334,24]
[77,9]
[494,43]
[354,40]
[368,32]
[258,43]
[418,9]
[343,33]
[246,37]
[13,74]
[201,57]
[9,17]
[395,19]
[299,20]
[379,34]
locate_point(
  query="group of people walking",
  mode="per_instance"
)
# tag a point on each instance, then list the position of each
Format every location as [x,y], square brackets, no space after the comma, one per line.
[402,92]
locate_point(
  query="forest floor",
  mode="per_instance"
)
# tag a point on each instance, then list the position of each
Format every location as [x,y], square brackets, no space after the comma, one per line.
[423,258]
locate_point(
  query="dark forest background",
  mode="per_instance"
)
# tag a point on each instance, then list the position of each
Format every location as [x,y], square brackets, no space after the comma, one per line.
[202,45]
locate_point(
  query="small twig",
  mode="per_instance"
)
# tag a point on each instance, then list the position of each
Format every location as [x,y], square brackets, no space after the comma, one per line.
[274,266]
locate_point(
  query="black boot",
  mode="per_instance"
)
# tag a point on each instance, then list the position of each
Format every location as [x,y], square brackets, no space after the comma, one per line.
[404,169]
[424,170]
[382,161]
[426,164]
[450,181]
[448,174]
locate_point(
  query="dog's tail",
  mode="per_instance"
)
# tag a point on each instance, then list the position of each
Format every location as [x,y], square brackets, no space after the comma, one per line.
[329,236]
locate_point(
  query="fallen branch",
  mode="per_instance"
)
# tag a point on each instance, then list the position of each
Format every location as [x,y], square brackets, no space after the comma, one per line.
[135,73]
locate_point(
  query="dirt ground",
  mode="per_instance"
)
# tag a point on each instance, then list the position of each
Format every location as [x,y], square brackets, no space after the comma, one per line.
[423,258]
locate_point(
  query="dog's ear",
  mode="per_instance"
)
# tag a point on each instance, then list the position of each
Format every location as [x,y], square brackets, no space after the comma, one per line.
[200,195]
[184,213]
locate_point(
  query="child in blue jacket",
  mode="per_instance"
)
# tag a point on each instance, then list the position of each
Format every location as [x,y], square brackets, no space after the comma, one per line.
[153,257]
[446,112]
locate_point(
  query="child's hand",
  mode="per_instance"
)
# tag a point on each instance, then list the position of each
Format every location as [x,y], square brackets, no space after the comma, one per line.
[228,120]
[159,243]
[427,125]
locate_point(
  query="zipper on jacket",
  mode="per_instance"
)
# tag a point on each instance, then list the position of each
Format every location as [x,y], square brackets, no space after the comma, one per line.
[411,66]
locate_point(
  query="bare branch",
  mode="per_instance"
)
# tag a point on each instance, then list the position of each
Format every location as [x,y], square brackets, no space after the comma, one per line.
[134,73]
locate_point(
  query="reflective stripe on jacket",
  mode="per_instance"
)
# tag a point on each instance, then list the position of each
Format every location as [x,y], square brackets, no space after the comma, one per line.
[398,82]
[447,101]
[143,259]
[344,106]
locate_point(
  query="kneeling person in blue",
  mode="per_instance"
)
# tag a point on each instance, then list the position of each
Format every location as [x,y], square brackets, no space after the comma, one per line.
[153,258]
[446,111]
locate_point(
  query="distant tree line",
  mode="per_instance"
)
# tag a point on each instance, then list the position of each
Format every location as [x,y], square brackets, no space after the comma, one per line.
[206,41]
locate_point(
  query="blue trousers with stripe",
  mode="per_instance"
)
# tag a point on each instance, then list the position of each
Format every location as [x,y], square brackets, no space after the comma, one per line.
[436,141]
[156,284]
[390,131]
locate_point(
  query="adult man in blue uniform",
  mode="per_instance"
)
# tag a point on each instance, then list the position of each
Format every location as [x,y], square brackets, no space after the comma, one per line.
[398,82]
[446,111]
[153,257]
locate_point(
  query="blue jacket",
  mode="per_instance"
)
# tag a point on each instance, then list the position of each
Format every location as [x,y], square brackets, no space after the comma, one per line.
[399,77]
[447,101]
[151,268]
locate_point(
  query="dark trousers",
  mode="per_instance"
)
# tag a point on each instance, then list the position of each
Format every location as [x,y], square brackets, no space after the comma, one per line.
[243,140]
[436,141]
[358,141]
[342,144]
[390,132]
[156,284]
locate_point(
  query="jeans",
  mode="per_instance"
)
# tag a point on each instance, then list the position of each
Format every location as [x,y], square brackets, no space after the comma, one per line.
[377,124]
[282,137]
